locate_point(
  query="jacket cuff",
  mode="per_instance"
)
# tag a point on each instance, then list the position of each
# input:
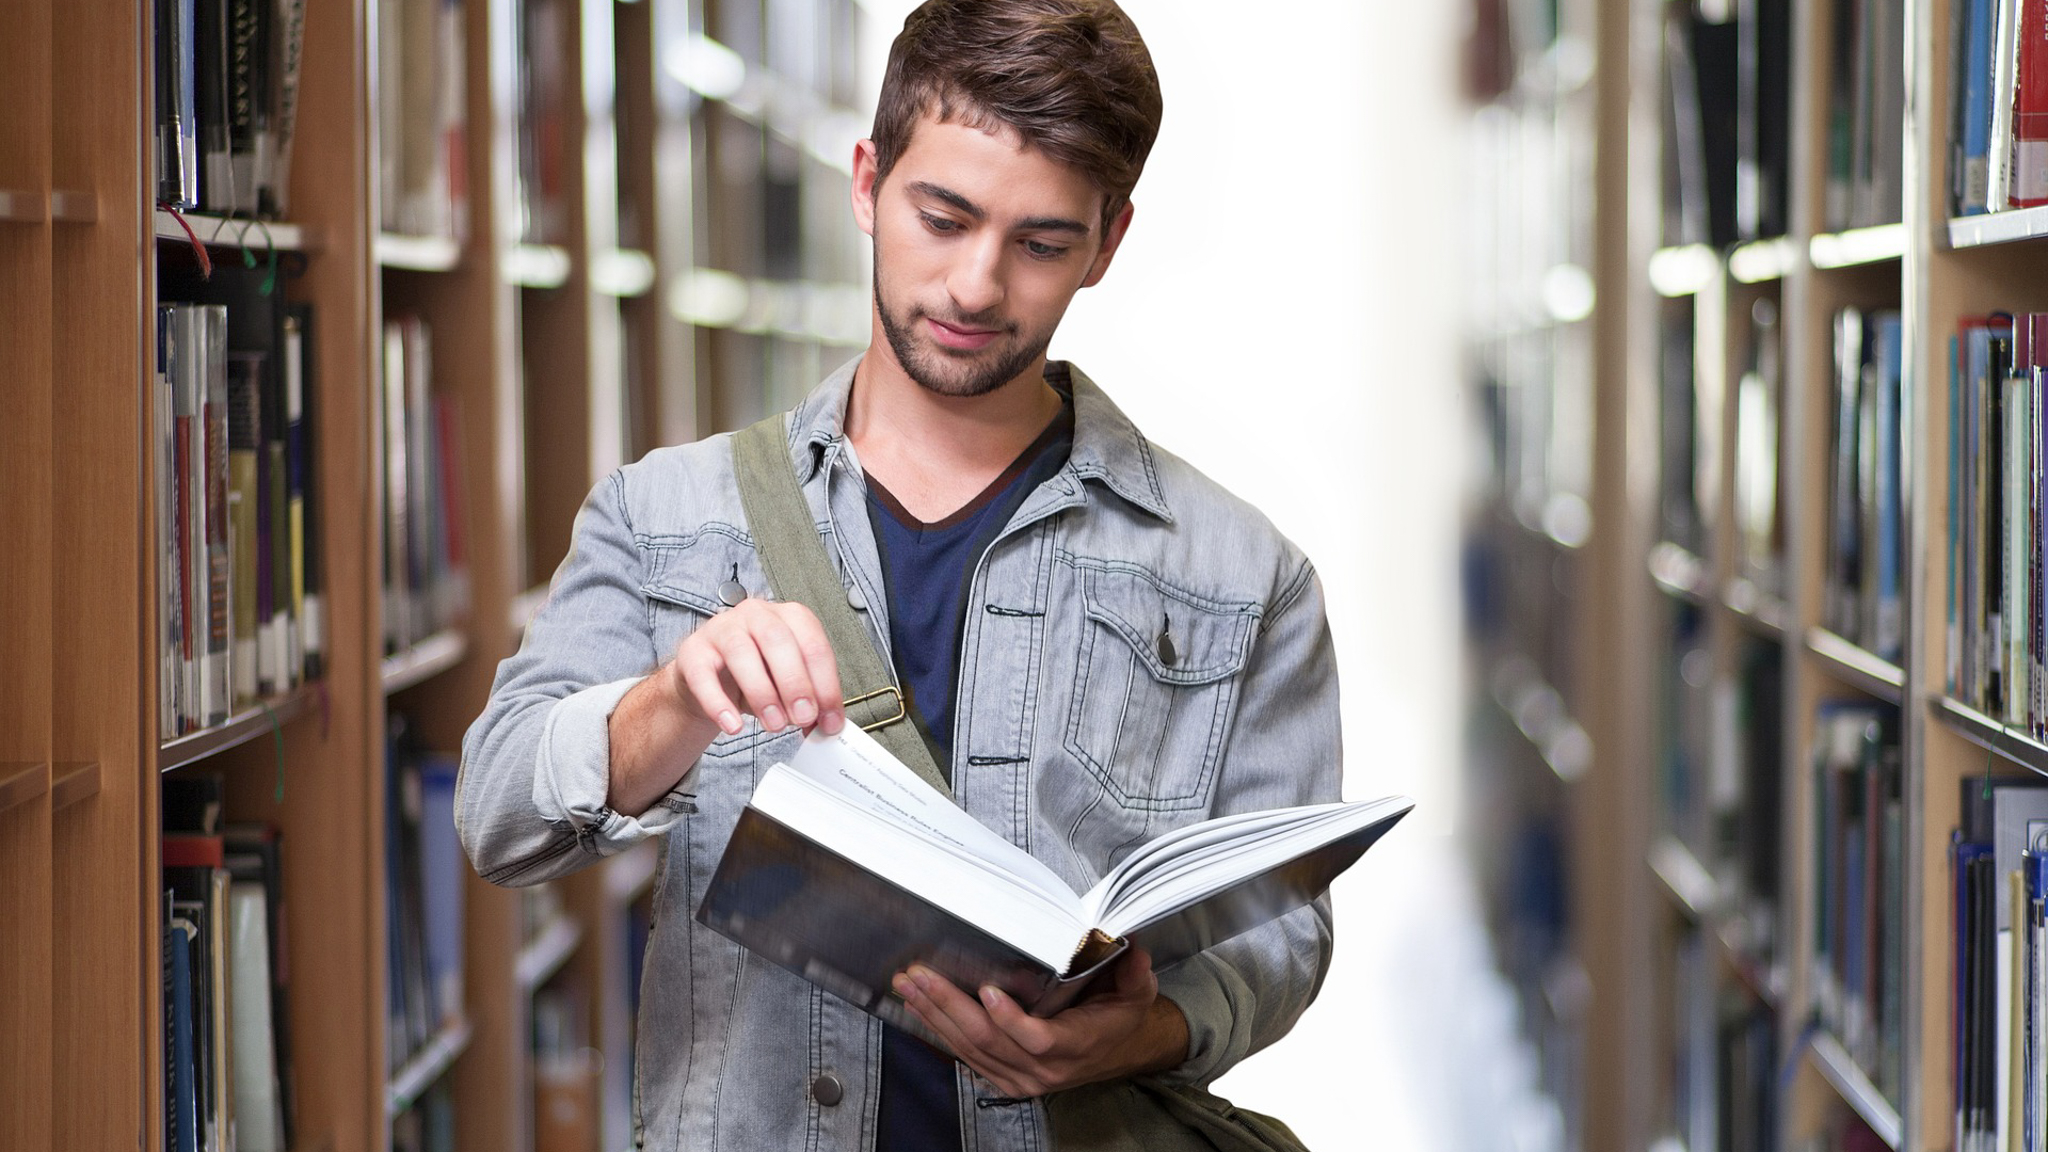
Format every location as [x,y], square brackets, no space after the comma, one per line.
[572,778]
[1218,1006]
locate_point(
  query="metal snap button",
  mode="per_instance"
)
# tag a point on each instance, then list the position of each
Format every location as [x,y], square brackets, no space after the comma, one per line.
[828,1090]
[855,600]
[1168,654]
[732,591]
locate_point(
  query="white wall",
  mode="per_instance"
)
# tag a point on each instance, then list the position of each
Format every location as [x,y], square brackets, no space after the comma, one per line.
[1282,315]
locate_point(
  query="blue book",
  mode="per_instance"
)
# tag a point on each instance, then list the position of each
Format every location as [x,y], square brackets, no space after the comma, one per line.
[443,868]
[183,1109]
[1973,160]
[1953,659]
[1887,357]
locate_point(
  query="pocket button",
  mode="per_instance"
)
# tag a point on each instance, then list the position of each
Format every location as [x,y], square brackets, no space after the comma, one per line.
[828,1090]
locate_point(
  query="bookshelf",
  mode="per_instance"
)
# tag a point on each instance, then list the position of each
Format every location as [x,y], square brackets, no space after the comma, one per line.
[1773,664]
[557,357]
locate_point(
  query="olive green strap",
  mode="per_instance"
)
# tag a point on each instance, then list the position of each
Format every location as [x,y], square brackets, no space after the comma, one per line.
[786,539]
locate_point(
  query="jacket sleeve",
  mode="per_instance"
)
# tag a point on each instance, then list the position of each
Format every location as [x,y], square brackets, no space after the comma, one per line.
[536,766]
[1284,749]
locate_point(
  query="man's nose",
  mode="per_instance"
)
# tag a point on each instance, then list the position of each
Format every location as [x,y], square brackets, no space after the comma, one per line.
[976,281]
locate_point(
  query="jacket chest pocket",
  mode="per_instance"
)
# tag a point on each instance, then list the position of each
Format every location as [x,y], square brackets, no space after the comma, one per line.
[690,581]
[1154,686]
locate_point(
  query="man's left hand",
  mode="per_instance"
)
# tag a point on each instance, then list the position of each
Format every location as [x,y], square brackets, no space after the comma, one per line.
[1127,1030]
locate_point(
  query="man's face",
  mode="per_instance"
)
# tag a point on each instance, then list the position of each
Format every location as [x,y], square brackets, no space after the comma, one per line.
[980,243]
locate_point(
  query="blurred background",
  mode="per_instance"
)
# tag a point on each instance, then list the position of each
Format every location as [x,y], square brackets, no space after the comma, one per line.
[1656,384]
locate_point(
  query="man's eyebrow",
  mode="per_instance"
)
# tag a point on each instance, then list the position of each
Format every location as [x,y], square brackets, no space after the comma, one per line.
[926,188]
[963,204]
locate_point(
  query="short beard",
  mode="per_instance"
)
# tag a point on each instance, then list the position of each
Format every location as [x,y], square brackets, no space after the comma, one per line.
[924,364]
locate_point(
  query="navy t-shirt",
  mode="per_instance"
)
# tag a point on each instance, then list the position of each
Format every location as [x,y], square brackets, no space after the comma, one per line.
[926,568]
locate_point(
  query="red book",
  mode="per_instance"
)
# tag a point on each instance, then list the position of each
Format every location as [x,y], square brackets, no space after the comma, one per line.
[189,850]
[2029,184]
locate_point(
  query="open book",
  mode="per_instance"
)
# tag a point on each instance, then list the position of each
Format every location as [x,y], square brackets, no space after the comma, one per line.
[845,868]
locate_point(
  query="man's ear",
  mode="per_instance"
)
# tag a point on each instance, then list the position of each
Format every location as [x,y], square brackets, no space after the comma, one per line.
[866,182]
[1110,242]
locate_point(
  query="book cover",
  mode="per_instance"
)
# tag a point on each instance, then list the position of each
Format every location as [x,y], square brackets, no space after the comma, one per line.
[846,868]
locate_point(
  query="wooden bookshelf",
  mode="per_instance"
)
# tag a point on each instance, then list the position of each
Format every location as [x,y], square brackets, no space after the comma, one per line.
[1675,306]
[562,359]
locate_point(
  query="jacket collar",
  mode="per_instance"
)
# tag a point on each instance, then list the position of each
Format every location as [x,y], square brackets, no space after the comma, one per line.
[1108,448]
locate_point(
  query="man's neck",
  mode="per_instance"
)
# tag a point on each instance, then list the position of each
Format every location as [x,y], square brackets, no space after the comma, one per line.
[935,453]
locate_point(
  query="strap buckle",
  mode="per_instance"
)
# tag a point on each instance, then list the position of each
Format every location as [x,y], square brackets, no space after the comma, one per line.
[877,694]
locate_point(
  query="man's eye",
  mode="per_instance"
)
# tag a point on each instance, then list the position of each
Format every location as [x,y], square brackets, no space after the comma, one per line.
[940,224]
[1044,251]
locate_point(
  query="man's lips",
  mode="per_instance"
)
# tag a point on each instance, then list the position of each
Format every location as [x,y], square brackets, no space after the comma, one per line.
[964,339]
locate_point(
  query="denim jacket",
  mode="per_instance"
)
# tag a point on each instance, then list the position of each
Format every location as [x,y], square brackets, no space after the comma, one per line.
[1079,735]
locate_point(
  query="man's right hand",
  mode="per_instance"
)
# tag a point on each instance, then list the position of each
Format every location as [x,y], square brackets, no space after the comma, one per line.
[767,659]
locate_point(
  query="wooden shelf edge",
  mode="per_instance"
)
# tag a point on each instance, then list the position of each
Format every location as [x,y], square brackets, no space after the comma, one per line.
[243,726]
[1762,261]
[1858,247]
[1687,880]
[1858,667]
[416,253]
[1838,1069]
[424,660]
[631,873]
[1761,612]
[523,608]
[74,206]
[1538,710]
[2015,745]
[1993,228]
[233,232]
[1680,573]
[544,955]
[426,1066]
[1684,270]
[74,782]
[21,783]
[624,273]
[542,266]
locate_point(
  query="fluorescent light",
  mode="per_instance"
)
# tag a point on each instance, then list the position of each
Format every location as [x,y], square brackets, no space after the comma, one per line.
[706,67]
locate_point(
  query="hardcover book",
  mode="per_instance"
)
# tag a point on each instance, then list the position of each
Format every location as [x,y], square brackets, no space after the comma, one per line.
[846,868]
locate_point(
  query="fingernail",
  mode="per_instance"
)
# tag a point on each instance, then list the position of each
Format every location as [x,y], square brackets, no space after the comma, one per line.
[921,978]
[989,995]
[833,722]
[803,711]
[729,722]
[903,987]
[771,718]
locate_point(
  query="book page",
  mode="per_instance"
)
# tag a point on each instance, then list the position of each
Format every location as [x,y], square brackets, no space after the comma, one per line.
[1204,859]
[872,838]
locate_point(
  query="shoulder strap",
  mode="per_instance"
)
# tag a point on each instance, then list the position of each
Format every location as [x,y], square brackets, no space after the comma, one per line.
[799,570]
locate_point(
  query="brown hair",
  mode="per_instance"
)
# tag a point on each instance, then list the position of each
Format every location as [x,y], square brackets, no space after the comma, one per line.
[1071,77]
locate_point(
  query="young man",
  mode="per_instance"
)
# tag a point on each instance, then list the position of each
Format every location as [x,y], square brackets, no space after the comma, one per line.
[1099,643]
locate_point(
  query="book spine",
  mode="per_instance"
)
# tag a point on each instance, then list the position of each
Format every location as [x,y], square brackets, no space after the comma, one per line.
[244,443]
[219,556]
[164,472]
[1952,666]
[2004,77]
[2030,107]
[1974,183]
[275,197]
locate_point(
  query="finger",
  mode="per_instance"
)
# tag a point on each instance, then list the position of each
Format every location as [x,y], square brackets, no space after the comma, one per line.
[1034,1037]
[785,662]
[1134,977]
[961,1019]
[822,663]
[703,678]
[743,663]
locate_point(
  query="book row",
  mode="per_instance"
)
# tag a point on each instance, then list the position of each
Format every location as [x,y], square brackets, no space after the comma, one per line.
[226,101]
[1997,624]
[1999,101]
[1864,600]
[2000,1004]
[1725,1085]
[228,1082]
[236,519]
[424,869]
[1727,121]
[1859,876]
[425,559]
[422,119]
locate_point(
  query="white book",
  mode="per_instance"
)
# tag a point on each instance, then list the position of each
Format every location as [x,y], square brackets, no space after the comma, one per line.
[893,873]
[259,1117]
